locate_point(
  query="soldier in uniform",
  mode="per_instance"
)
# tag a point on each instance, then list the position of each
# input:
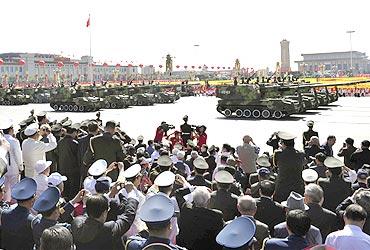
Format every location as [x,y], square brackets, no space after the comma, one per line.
[51,212]
[238,234]
[106,146]
[309,133]
[16,233]
[3,204]
[200,167]
[156,212]
[164,163]
[186,130]
[289,162]
[223,199]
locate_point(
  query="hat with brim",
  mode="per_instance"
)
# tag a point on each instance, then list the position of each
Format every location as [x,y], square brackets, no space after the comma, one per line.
[157,209]
[76,126]
[31,129]
[263,161]
[286,136]
[6,123]
[47,200]
[310,123]
[165,179]
[56,127]
[200,163]
[263,171]
[41,165]
[191,143]
[41,114]
[332,162]
[224,176]
[310,175]
[164,160]
[295,201]
[24,190]
[67,123]
[132,171]
[98,168]
[237,233]
[178,146]
[55,179]
[140,138]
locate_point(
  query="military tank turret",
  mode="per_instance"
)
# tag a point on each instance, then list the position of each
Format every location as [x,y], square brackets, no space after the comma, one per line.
[249,101]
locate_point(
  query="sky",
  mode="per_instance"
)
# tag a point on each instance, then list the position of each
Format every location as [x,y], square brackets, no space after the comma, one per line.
[144,31]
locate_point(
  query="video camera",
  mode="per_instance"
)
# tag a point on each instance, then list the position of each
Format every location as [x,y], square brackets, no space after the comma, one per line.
[197,127]
[167,127]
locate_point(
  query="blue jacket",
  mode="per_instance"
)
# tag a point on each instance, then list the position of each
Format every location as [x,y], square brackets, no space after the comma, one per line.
[292,242]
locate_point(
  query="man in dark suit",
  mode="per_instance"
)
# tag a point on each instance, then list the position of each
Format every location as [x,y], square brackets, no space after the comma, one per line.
[223,199]
[309,133]
[248,208]
[335,188]
[289,162]
[328,145]
[16,231]
[269,211]
[106,146]
[346,151]
[298,223]
[322,218]
[66,152]
[93,232]
[83,145]
[198,224]
[361,156]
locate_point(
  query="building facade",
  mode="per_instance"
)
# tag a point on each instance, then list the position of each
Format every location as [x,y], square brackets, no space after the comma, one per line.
[284,56]
[334,61]
[35,67]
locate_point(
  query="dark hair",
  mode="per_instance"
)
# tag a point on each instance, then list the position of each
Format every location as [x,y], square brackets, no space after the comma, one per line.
[267,188]
[225,186]
[200,171]
[298,222]
[320,157]
[150,142]
[40,118]
[7,131]
[365,143]
[335,171]
[92,127]
[288,143]
[96,205]
[56,238]
[158,225]
[350,141]
[157,146]
[70,130]
[227,147]
[166,189]
[355,212]
[331,137]
[110,124]
[49,212]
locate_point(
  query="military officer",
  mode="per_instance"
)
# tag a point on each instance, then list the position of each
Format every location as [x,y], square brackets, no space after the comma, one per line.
[3,204]
[106,146]
[97,169]
[48,206]
[186,130]
[156,212]
[16,231]
[223,199]
[238,234]
[309,133]
[289,162]
[164,163]
[200,167]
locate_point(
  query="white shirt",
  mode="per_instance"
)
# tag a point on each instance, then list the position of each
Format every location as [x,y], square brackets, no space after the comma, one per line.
[15,156]
[350,238]
[154,155]
[42,183]
[138,225]
[33,150]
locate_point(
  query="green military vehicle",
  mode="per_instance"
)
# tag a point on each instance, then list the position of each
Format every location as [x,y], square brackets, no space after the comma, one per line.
[13,97]
[69,100]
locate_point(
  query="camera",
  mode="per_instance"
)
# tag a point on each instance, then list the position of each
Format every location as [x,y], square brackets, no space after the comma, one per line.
[167,127]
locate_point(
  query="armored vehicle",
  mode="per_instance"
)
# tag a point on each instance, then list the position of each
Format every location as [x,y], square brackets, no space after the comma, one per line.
[70,100]
[248,101]
[13,97]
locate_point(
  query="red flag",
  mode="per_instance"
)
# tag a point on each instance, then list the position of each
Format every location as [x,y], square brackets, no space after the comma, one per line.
[88,22]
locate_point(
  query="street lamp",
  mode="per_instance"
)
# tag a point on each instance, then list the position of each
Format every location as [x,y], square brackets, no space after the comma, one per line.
[350,41]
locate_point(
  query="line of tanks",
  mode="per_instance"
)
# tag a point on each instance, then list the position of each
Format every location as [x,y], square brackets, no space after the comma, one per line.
[93,98]
[275,101]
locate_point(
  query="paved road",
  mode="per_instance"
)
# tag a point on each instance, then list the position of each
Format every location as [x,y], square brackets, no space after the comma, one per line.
[349,116]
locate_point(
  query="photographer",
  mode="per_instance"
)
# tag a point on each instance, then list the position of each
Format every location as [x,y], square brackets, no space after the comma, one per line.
[201,136]
[175,138]
[162,131]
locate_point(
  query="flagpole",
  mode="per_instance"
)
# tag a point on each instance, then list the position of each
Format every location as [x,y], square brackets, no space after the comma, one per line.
[90,62]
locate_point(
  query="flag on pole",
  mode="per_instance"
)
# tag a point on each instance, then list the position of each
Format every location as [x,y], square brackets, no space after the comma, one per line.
[88,22]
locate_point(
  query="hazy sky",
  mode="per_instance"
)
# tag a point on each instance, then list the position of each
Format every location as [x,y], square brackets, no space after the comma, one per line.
[143,31]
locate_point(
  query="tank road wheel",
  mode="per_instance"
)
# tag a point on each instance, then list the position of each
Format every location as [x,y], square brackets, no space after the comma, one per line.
[256,113]
[266,113]
[70,108]
[239,113]
[228,112]
[75,108]
[81,108]
[140,103]
[278,114]
[113,105]
[56,107]
[247,113]
[65,107]
[107,105]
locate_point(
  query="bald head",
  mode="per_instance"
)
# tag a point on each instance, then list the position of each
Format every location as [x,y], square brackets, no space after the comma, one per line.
[247,205]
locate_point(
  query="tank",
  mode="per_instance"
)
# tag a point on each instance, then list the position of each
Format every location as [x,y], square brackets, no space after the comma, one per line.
[13,97]
[249,101]
[69,100]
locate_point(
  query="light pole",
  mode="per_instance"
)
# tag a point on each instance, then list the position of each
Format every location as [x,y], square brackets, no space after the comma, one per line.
[350,41]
